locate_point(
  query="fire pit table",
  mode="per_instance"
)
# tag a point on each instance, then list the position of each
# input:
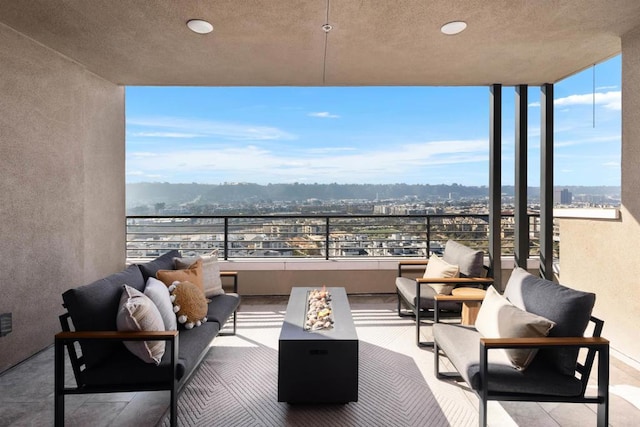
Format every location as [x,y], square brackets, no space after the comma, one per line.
[318,366]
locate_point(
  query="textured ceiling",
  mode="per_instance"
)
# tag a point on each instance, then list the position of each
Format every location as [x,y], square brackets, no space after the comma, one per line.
[373,42]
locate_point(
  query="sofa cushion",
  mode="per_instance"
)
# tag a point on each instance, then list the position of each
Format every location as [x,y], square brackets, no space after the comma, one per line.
[437,267]
[221,307]
[211,281]
[125,368]
[570,309]
[94,307]
[163,262]
[159,294]
[461,345]
[138,313]
[498,318]
[192,274]
[470,261]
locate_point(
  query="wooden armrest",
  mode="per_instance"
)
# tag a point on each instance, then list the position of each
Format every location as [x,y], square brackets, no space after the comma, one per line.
[414,262]
[117,335]
[233,274]
[456,280]
[459,298]
[538,342]
[228,273]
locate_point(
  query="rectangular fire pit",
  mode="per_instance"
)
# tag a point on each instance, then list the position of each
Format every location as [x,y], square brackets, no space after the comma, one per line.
[318,366]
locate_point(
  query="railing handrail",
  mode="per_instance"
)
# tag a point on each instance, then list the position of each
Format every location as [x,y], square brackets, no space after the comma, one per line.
[332,237]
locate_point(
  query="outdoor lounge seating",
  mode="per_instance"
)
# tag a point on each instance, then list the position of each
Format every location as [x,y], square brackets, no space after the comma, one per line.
[471,273]
[552,371]
[105,365]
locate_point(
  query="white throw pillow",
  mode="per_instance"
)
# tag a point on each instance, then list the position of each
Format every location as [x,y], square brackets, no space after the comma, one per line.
[211,281]
[138,313]
[498,318]
[159,294]
[437,267]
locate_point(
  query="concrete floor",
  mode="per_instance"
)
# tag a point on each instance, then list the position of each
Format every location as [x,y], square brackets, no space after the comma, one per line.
[26,391]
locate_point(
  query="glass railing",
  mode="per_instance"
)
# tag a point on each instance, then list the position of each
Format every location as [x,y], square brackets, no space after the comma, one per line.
[317,236]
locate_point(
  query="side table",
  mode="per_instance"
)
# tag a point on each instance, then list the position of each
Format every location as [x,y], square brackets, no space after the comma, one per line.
[471,307]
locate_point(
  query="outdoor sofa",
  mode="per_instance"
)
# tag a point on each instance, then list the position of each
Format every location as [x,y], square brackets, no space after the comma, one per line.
[104,364]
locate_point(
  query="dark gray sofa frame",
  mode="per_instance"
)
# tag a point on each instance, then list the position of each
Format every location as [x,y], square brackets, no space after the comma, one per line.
[595,345]
[165,379]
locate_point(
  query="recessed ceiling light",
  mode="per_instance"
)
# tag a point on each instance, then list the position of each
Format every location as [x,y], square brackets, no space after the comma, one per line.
[452,28]
[199,26]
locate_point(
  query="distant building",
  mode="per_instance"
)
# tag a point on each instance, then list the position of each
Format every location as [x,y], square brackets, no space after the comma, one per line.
[562,197]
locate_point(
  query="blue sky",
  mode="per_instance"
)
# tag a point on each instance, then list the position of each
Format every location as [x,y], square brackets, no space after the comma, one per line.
[414,135]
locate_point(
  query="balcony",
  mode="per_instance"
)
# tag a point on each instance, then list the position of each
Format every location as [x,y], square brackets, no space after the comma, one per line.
[359,252]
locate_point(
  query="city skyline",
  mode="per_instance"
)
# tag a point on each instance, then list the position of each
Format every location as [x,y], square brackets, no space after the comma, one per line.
[377,135]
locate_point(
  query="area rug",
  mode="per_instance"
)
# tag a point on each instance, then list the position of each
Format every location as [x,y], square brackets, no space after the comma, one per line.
[236,385]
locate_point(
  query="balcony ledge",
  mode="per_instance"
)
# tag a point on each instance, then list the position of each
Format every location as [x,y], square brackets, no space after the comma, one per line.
[579,213]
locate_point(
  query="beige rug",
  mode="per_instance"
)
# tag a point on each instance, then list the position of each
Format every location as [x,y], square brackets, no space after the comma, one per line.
[236,385]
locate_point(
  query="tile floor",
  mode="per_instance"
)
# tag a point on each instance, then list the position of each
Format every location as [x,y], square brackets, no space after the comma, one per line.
[26,391]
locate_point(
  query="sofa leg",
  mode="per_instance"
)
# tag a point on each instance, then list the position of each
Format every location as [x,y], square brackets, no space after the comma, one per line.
[59,383]
[173,408]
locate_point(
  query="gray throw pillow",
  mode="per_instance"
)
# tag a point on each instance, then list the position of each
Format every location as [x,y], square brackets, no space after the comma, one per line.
[568,308]
[470,261]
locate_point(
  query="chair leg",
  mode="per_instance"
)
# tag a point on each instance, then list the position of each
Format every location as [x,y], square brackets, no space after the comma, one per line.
[482,412]
[603,387]
[436,360]
[235,319]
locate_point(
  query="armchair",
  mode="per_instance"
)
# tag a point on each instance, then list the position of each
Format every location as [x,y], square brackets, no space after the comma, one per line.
[554,374]
[416,295]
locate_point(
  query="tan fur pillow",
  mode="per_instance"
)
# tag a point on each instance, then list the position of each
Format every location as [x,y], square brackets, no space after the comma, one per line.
[189,304]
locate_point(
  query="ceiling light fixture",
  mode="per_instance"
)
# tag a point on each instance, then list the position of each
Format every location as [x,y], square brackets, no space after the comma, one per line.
[199,26]
[453,28]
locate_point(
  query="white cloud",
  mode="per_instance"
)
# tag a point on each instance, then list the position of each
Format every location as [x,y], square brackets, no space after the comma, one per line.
[143,154]
[202,127]
[254,164]
[166,134]
[611,164]
[324,115]
[610,100]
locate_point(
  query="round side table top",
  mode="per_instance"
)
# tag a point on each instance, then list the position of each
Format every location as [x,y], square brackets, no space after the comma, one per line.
[468,292]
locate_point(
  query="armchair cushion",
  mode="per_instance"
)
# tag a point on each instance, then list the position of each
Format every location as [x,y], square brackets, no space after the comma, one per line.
[498,318]
[407,288]
[570,309]
[470,262]
[436,268]
[460,343]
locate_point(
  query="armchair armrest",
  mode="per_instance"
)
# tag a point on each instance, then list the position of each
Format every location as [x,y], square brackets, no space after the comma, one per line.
[459,298]
[457,280]
[234,275]
[539,342]
[411,264]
